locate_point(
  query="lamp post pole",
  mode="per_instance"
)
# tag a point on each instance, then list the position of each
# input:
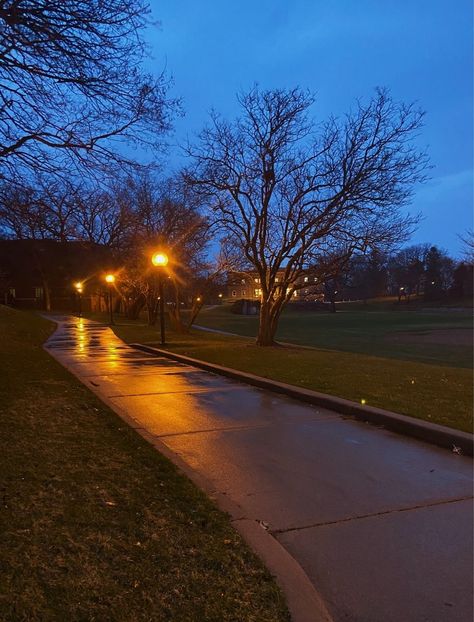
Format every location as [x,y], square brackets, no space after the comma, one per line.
[110,280]
[79,288]
[160,260]
[162,306]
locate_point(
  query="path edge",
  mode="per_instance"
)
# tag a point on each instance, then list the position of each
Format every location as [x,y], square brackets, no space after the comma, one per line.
[433,433]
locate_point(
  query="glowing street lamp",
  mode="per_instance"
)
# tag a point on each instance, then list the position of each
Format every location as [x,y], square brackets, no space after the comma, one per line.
[160,261]
[79,287]
[110,280]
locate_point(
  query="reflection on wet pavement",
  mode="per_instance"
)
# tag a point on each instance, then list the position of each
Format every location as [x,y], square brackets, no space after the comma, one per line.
[168,397]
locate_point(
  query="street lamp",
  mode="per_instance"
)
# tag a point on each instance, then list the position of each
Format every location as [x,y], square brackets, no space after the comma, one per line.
[110,280]
[78,286]
[160,261]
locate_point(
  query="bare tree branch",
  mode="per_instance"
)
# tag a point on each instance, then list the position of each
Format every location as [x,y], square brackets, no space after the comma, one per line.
[71,83]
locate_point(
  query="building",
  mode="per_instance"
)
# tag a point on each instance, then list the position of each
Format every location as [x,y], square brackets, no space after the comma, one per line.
[247,286]
[40,274]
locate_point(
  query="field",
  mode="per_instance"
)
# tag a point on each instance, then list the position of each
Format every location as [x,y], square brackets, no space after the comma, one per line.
[95,523]
[438,336]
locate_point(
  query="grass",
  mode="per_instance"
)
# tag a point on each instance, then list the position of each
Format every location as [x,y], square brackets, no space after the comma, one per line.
[375,330]
[95,523]
[437,393]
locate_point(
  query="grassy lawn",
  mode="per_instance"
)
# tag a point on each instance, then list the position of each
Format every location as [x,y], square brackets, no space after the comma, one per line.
[95,523]
[395,333]
[437,393]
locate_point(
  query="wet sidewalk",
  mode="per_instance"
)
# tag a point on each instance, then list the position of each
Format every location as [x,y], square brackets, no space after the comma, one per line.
[381,524]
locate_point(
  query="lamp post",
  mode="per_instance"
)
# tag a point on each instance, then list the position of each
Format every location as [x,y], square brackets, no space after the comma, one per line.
[79,289]
[110,280]
[160,261]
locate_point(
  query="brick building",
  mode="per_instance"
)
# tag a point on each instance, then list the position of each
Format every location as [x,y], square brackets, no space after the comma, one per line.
[39,274]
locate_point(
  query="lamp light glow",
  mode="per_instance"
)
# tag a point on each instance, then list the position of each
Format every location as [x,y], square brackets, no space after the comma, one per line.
[159,259]
[110,278]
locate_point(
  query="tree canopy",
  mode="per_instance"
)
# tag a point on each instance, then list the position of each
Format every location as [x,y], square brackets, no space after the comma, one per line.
[71,81]
[290,192]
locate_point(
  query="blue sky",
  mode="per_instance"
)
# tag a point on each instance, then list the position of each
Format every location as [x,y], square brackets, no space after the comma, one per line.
[341,50]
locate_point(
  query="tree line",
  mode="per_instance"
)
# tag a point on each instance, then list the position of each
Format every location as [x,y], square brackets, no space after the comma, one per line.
[127,222]
[418,270]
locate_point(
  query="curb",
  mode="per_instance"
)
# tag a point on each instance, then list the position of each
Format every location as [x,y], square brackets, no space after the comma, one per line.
[302,598]
[442,436]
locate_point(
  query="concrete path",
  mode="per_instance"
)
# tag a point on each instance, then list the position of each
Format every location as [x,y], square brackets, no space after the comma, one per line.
[381,524]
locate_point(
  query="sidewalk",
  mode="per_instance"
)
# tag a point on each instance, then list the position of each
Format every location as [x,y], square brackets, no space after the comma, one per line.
[381,524]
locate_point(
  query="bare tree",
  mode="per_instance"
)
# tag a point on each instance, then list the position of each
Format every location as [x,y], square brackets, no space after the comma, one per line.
[105,216]
[165,218]
[70,82]
[286,190]
[53,209]
[467,241]
[19,217]
[407,270]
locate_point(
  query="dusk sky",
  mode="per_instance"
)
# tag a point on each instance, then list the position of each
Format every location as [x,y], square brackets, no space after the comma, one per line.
[341,50]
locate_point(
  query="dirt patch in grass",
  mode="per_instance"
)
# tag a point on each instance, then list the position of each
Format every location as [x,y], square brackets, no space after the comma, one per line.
[449,336]
[95,524]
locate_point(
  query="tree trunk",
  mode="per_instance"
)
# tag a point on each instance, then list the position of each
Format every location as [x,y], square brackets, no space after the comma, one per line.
[152,309]
[269,314]
[46,293]
[134,308]
[174,314]
[194,313]
[44,280]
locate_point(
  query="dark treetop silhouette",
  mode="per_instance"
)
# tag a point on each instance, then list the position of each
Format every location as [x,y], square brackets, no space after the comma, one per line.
[70,81]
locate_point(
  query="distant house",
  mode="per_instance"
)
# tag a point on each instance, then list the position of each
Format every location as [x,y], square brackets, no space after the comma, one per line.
[247,286]
[40,274]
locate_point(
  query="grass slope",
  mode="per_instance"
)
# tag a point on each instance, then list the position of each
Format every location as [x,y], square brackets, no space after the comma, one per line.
[95,524]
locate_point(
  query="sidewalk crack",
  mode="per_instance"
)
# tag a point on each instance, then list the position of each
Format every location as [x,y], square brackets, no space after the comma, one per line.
[372,515]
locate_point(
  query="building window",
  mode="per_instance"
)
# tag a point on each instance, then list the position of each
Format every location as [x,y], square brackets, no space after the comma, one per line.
[38,292]
[234,293]
[315,279]
[12,292]
[305,279]
[244,292]
[295,293]
[277,279]
[257,280]
[258,292]
[243,281]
